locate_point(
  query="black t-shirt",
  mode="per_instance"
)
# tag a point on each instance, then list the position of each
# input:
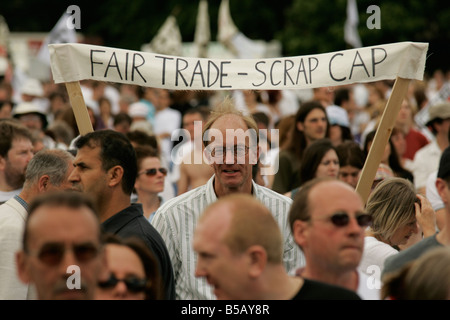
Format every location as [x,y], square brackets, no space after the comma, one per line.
[315,290]
[132,222]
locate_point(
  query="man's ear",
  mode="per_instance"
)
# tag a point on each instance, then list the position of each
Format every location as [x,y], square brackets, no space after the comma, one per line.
[43,183]
[207,157]
[22,267]
[300,230]
[257,259]
[115,175]
[442,187]
[2,163]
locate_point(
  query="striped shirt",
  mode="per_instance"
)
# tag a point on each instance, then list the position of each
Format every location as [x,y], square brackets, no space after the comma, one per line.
[176,220]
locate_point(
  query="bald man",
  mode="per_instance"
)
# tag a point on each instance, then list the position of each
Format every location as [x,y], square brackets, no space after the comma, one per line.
[240,253]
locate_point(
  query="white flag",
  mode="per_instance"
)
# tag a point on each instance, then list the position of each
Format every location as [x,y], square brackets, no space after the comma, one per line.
[168,39]
[351,35]
[4,33]
[61,33]
[233,39]
[202,34]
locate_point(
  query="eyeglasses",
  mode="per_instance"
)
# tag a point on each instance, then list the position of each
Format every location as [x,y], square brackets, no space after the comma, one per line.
[52,254]
[134,284]
[238,151]
[151,172]
[341,219]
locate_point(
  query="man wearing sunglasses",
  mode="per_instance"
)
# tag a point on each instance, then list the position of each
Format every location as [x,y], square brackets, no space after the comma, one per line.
[62,254]
[240,253]
[231,150]
[328,221]
[47,171]
[106,169]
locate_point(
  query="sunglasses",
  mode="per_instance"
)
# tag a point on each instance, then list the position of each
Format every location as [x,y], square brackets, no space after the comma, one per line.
[52,254]
[341,219]
[134,284]
[151,172]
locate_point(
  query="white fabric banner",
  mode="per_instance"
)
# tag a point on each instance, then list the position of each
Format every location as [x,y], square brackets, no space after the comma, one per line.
[75,62]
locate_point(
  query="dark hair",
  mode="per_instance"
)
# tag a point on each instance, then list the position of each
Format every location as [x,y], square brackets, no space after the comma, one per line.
[142,138]
[204,111]
[11,129]
[341,95]
[122,117]
[116,150]
[68,199]
[154,289]
[145,152]
[351,154]
[312,157]
[261,117]
[394,161]
[297,141]
[369,138]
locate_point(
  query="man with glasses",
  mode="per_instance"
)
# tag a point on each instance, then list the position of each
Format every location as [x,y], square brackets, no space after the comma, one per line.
[47,171]
[62,254]
[240,250]
[231,148]
[106,169]
[328,221]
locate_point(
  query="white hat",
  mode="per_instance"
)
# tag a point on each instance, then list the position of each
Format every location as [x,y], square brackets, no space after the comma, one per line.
[337,116]
[138,109]
[29,107]
[32,87]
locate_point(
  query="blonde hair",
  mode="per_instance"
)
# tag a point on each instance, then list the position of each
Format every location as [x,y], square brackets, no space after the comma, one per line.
[391,205]
[225,108]
[427,278]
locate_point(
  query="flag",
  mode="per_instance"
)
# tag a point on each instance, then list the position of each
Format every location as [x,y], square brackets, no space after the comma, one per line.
[4,33]
[168,39]
[351,35]
[230,36]
[202,34]
[60,33]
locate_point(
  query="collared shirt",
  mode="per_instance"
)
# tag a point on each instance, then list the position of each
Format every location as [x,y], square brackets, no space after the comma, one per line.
[22,202]
[176,220]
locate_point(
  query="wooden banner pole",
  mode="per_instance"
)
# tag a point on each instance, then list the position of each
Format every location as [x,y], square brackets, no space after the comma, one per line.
[381,137]
[79,107]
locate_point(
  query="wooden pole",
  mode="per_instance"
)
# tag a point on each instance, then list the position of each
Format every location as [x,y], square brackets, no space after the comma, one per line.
[79,107]
[381,137]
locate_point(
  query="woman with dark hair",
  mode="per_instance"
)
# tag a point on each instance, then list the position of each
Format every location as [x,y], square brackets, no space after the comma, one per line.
[134,271]
[311,124]
[320,160]
[351,162]
[390,157]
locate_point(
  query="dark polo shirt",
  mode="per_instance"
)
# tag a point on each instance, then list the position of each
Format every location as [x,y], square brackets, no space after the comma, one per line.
[131,222]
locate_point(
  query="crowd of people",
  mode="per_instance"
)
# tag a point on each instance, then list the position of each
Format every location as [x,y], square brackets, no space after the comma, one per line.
[165,204]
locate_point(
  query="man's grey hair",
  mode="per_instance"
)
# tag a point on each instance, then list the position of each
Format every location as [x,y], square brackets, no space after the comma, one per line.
[52,162]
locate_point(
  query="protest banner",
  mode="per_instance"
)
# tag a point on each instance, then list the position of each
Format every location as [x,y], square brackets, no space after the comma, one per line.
[402,61]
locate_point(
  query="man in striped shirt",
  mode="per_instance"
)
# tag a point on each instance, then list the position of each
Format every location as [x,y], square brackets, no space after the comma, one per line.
[230,139]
